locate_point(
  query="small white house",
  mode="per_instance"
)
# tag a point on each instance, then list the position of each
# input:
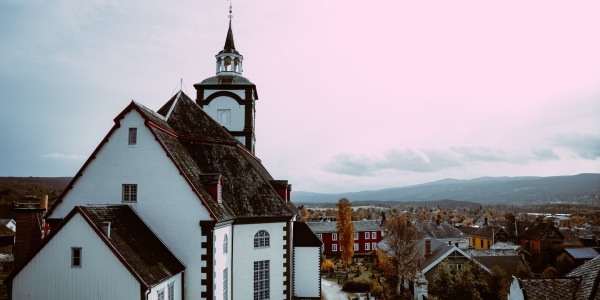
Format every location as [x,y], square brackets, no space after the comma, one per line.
[100,252]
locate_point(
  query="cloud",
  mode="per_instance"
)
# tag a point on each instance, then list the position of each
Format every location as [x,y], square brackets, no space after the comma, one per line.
[585,146]
[426,160]
[60,156]
[545,154]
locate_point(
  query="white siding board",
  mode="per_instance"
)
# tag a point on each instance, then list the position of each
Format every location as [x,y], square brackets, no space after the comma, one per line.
[50,275]
[238,112]
[307,271]
[244,256]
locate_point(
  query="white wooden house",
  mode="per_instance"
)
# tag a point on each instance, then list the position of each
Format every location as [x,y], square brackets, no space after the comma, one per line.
[199,187]
[100,252]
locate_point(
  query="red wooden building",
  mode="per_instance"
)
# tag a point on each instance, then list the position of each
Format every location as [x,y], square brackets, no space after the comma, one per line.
[366,236]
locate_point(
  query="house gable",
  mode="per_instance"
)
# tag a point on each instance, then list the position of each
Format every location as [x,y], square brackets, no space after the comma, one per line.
[49,275]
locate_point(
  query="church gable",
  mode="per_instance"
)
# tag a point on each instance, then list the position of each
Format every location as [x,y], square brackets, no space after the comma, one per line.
[128,166]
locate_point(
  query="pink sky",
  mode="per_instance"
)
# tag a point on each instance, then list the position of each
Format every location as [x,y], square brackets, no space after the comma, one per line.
[353,96]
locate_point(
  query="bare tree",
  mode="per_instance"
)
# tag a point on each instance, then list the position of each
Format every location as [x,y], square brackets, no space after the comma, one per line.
[400,241]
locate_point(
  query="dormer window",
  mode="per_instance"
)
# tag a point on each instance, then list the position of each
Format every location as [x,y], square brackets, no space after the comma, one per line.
[214,185]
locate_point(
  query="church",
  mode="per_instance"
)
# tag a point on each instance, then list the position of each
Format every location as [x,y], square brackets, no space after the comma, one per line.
[174,204]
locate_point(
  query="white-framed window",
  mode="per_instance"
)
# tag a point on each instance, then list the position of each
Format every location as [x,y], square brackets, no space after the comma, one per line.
[355,246]
[374,234]
[132,137]
[356,236]
[225,244]
[334,247]
[367,235]
[261,280]
[334,236]
[129,193]
[373,246]
[160,294]
[367,246]
[261,239]
[76,257]
[171,290]
[320,236]
[225,284]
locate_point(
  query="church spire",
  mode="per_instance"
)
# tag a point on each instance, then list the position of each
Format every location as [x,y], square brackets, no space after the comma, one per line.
[229,60]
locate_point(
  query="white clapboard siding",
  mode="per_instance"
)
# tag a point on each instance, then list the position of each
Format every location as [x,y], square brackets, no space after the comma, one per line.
[306,271]
[101,275]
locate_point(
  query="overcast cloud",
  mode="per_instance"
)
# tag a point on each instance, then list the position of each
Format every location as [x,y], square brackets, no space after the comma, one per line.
[352,95]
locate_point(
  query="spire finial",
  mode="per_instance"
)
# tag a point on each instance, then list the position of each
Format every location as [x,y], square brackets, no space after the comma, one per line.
[230,9]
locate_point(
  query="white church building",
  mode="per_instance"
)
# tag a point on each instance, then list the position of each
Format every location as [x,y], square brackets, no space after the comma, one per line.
[173,204]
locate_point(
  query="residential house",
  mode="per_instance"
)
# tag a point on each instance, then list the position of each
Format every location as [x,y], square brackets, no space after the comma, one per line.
[444,232]
[484,237]
[542,240]
[580,284]
[367,234]
[570,258]
[104,251]
[506,258]
[189,171]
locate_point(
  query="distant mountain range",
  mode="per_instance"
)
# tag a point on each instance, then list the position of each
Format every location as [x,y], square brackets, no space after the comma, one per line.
[582,188]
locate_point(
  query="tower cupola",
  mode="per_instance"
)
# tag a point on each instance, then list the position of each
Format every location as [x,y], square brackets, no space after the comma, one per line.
[229,60]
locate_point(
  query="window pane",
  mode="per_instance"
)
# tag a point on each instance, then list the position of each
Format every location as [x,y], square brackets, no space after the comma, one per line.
[132,136]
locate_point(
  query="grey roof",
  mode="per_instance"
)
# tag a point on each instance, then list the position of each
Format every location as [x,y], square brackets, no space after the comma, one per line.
[582,253]
[492,252]
[444,230]
[225,80]
[590,279]
[504,245]
[507,263]
[330,226]
[549,289]
[570,238]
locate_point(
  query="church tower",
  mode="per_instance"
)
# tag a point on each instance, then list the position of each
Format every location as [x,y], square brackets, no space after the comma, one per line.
[228,97]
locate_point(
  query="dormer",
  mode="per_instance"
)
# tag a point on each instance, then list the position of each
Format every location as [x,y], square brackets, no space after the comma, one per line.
[283,189]
[214,185]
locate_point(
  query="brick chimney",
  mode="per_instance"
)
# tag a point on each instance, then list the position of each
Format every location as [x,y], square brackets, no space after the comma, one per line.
[427,247]
[30,225]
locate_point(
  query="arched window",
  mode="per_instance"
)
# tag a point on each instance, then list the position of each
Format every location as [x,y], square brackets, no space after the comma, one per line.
[225,244]
[261,239]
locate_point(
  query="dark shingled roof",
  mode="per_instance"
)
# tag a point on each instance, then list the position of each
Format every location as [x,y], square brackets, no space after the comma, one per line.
[590,279]
[507,263]
[442,231]
[198,146]
[549,289]
[304,237]
[536,230]
[570,238]
[141,249]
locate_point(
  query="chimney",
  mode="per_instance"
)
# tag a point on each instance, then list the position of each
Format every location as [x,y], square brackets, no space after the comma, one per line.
[44,202]
[106,229]
[437,222]
[485,221]
[427,246]
[30,224]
